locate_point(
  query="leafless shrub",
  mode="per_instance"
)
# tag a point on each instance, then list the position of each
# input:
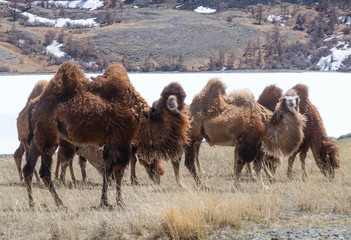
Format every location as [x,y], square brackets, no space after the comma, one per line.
[4,69]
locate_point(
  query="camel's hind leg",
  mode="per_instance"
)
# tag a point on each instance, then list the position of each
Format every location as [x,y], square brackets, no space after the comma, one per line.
[115,162]
[66,153]
[83,166]
[190,162]
[58,164]
[303,154]
[45,173]
[28,170]
[197,146]
[133,177]
[290,165]
[18,159]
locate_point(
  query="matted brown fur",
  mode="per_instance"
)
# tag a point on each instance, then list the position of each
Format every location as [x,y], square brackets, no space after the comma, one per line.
[22,126]
[270,97]
[235,120]
[324,150]
[106,112]
[284,129]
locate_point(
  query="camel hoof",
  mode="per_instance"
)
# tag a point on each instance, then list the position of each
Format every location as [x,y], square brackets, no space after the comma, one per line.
[181,186]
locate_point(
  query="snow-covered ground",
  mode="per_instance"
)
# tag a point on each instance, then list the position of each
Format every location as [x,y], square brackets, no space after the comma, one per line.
[82,4]
[54,49]
[205,10]
[60,22]
[333,62]
[328,91]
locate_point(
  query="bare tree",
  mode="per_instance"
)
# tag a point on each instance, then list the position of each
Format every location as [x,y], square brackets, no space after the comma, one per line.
[259,12]
[300,20]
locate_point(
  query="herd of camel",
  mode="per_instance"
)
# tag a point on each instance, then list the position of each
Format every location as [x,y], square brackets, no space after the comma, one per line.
[107,122]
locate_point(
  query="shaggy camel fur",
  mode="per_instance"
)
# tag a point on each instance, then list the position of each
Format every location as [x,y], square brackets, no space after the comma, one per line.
[238,120]
[106,112]
[22,128]
[324,150]
[269,98]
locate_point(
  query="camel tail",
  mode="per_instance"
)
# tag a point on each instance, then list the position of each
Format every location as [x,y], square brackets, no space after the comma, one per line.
[333,153]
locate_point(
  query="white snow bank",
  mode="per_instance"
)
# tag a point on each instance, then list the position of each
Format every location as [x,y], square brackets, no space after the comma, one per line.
[331,37]
[83,4]
[54,49]
[345,20]
[60,22]
[205,10]
[333,62]
[279,18]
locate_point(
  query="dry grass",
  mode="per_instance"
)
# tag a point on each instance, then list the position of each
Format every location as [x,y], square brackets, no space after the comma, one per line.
[165,211]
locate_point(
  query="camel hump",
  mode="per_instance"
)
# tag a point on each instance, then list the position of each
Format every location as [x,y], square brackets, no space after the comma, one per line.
[116,72]
[37,90]
[67,80]
[214,87]
[302,91]
[270,97]
[242,97]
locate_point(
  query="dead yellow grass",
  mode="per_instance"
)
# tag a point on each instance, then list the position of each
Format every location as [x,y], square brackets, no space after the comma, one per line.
[166,211]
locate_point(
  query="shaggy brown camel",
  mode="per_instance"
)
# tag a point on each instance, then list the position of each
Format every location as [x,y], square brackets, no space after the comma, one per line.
[106,112]
[22,128]
[324,150]
[238,120]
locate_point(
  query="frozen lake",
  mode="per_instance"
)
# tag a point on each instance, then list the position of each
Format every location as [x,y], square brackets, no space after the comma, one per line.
[329,92]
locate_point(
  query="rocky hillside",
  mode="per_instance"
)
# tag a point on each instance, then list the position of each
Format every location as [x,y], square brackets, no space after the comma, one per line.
[172,36]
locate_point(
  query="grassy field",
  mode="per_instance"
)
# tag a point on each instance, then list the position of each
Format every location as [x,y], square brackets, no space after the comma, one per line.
[224,211]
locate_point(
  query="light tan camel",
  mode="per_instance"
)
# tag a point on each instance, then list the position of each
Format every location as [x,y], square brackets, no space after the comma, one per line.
[238,120]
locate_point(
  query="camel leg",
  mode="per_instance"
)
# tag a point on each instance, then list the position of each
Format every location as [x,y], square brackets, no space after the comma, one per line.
[133,177]
[18,159]
[70,165]
[45,173]
[249,171]
[176,166]
[258,164]
[28,170]
[197,151]
[115,161]
[66,153]
[303,154]
[290,165]
[58,163]
[83,166]
[190,163]
[238,163]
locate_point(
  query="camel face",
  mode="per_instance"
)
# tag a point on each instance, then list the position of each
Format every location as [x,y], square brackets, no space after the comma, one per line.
[172,103]
[291,103]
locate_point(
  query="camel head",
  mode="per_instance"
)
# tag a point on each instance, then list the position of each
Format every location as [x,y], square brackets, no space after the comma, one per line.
[164,131]
[290,101]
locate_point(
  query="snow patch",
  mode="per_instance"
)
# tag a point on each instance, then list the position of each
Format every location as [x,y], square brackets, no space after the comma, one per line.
[205,10]
[333,62]
[279,18]
[331,37]
[60,22]
[345,20]
[54,49]
[82,4]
